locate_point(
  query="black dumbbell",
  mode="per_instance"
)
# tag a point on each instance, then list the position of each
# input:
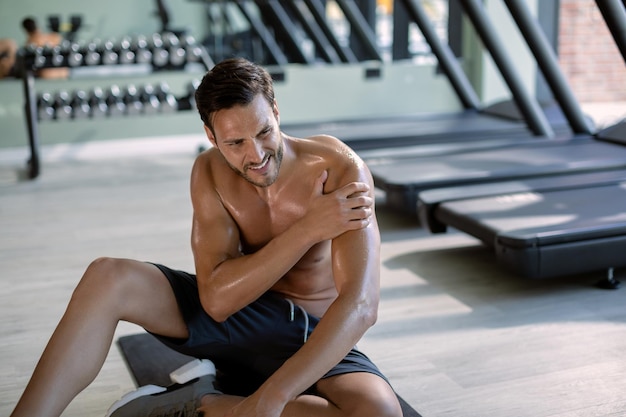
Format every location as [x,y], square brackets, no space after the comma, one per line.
[80,105]
[46,52]
[45,106]
[140,46]
[193,49]
[151,103]
[97,103]
[194,84]
[58,57]
[160,55]
[114,101]
[169,103]
[126,54]
[75,55]
[188,101]
[92,53]
[39,59]
[176,51]
[109,54]
[134,106]
[62,106]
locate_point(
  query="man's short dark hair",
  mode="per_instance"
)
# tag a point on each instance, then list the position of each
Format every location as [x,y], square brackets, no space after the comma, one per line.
[234,81]
[29,24]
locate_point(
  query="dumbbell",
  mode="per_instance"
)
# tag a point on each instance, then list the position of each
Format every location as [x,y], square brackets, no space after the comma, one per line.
[92,52]
[151,103]
[188,101]
[109,55]
[134,105]
[169,103]
[45,106]
[140,46]
[126,54]
[45,58]
[34,56]
[177,53]
[62,106]
[192,48]
[80,105]
[58,57]
[160,55]
[97,103]
[75,56]
[114,101]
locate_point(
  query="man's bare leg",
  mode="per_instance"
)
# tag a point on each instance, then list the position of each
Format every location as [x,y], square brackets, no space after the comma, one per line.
[110,290]
[348,395]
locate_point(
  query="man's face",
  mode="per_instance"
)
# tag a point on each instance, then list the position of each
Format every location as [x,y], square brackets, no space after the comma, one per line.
[249,139]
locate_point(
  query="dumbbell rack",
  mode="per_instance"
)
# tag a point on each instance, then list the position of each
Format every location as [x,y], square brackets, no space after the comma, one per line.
[157,53]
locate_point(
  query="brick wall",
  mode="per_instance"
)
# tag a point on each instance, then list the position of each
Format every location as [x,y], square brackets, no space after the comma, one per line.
[588,54]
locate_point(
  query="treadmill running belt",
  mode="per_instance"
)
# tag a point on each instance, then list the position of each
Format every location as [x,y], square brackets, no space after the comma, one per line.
[375,133]
[541,235]
[403,178]
[429,200]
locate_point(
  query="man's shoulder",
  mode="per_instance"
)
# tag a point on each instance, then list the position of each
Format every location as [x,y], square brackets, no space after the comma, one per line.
[206,162]
[326,145]
[323,139]
[342,163]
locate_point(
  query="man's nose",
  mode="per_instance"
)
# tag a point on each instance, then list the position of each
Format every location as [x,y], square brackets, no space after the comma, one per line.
[255,151]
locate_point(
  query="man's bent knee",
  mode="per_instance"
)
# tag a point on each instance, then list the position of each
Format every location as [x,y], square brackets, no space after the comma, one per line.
[360,394]
[103,274]
[108,280]
[377,407]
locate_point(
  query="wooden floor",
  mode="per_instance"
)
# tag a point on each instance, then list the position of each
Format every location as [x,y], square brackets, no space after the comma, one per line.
[456,335]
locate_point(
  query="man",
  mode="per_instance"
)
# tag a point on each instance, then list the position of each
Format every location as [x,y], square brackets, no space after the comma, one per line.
[286,250]
[8,50]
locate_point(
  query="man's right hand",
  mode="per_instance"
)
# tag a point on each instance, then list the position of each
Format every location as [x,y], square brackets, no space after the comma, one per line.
[347,208]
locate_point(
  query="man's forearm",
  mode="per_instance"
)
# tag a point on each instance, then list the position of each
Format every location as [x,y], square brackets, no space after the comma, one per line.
[337,332]
[356,260]
[236,282]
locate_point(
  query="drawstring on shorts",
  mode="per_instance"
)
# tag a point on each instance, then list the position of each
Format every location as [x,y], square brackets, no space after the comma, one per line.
[292,317]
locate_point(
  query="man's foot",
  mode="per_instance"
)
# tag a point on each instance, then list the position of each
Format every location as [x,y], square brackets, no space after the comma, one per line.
[179,400]
[191,382]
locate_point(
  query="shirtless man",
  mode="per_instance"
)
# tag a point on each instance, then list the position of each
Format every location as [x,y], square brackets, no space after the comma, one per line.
[286,250]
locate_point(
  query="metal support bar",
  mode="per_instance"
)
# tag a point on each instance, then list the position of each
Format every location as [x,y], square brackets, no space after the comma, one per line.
[30,110]
[549,65]
[317,10]
[257,26]
[530,109]
[614,15]
[277,17]
[444,55]
[400,42]
[216,18]
[315,32]
[360,27]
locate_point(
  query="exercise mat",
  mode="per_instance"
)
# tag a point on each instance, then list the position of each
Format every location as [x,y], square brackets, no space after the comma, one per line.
[150,362]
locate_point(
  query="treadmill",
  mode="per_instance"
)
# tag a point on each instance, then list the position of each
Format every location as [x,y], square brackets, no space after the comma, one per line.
[403,177]
[473,127]
[539,227]
[545,227]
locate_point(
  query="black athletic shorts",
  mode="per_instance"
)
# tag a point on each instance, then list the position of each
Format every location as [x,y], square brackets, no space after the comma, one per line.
[251,344]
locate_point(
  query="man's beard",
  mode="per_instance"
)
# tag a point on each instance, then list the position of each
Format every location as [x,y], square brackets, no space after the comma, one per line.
[278,158]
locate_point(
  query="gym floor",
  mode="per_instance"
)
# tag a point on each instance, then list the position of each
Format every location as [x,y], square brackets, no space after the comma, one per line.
[457,335]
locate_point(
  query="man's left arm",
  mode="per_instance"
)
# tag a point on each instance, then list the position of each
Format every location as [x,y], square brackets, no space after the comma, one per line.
[356,269]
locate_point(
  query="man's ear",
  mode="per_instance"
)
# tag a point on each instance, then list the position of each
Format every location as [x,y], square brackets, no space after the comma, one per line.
[210,135]
[276,112]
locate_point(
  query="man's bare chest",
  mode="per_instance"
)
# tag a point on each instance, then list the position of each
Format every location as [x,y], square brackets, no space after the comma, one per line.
[259,221]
